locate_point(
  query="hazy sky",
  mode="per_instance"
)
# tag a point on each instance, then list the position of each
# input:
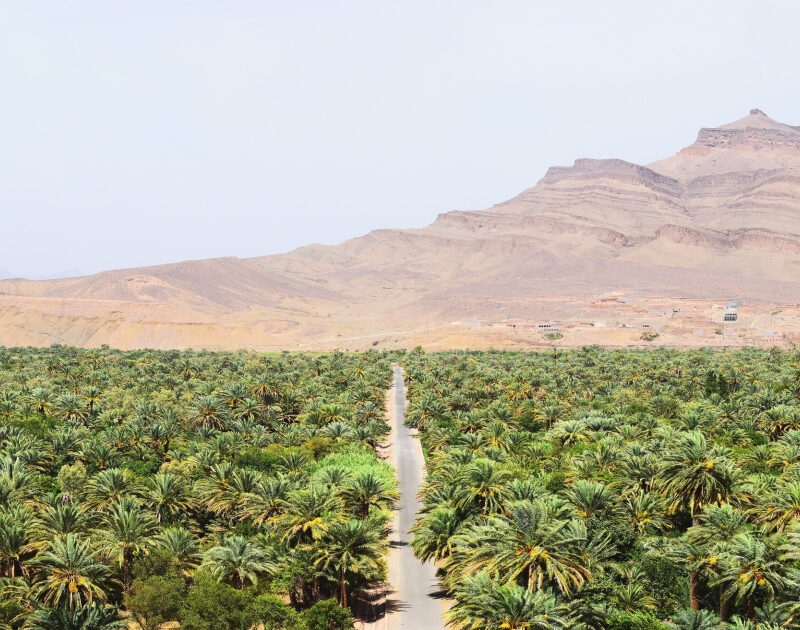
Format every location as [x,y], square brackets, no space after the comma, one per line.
[142,132]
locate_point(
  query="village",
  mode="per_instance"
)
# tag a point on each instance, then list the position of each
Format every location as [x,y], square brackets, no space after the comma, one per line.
[615,319]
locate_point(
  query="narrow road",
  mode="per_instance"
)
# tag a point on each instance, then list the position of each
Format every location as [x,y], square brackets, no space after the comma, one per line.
[415,603]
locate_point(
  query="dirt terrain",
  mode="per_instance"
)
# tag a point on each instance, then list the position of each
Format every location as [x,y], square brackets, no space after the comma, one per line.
[603,251]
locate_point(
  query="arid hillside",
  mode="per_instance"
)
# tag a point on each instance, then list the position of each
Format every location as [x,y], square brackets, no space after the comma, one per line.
[701,248]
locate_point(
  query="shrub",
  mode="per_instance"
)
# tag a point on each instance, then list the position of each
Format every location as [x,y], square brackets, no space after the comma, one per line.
[211,605]
[321,614]
[155,600]
[639,620]
[270,611]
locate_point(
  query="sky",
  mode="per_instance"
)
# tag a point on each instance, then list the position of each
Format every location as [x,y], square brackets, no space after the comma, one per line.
[138,133]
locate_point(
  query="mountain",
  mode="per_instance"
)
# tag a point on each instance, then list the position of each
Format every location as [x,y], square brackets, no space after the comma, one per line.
[593,253]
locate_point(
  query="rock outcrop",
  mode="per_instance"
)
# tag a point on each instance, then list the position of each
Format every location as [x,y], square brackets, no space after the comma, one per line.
[719,220]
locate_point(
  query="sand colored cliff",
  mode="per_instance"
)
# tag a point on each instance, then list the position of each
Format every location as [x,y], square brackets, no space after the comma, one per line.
[603,251]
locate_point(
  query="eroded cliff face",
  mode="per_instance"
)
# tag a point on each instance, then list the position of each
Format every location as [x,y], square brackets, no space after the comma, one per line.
[718,220]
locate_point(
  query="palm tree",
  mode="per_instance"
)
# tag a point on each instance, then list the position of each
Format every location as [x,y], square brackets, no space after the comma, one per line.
[369,490]
[646,512]
[719,527]
[168,496]
[779,507]
[127,531]
[210,413]
[70,407]
[91,617]
[351,548]
[530,542]
[434,532]
[692,476]
[695,620]
[180,543]
[69,572]
[483,484]
[92,397]
[306,514]
[267,499]
[751,568]
[16,542]
[591,498]
[43,401]
[110,486]
[239,561]
[480,603]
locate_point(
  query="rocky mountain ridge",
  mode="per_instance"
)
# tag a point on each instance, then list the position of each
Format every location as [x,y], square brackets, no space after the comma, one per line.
[719,220]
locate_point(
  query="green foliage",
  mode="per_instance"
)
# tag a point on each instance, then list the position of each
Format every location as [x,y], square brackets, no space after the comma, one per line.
[127,477]
[626,485]
[639,620]
[270,611]
[320,615]
[155,600]
[72,479]
[212,605]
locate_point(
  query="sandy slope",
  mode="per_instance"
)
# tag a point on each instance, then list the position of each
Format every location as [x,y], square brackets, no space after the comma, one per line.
[718,221]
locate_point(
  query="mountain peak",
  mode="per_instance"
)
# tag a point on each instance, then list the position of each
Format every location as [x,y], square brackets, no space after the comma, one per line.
[757,119]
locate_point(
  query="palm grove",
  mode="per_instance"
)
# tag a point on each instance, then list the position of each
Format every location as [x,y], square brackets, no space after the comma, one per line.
[611,489]
[220,490]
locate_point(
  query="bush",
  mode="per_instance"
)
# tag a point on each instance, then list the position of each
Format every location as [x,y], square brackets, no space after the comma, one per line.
[320,615]
[155,600]
[72,479]
[211,605]
[634,621]
[270,611]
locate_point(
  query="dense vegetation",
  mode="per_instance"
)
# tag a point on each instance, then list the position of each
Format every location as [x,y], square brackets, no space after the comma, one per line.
[222,490]
[612,489]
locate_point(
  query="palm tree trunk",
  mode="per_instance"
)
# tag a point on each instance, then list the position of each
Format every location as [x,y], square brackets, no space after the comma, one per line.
[127,554]
[725,608]
[751,608]
[694,579]
[694,587]
[344,591]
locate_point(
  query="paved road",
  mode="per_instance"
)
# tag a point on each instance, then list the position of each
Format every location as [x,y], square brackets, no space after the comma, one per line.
[415,603]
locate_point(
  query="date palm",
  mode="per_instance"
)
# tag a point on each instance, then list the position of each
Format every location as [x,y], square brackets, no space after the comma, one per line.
[43,401]
[693,475]
[70,406]
[646,512]
[127,530]
[168,496]
[267,499]
[92,617]
[591,498]
[527,543]
[351,549]
[753,568]
[369,490]
[434,532]
[210,413]
[16,542]
[481,603]
[483,485]
[239,561]
[110,486]
[779,507]
[69,573]
[719,527]
[306,514]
